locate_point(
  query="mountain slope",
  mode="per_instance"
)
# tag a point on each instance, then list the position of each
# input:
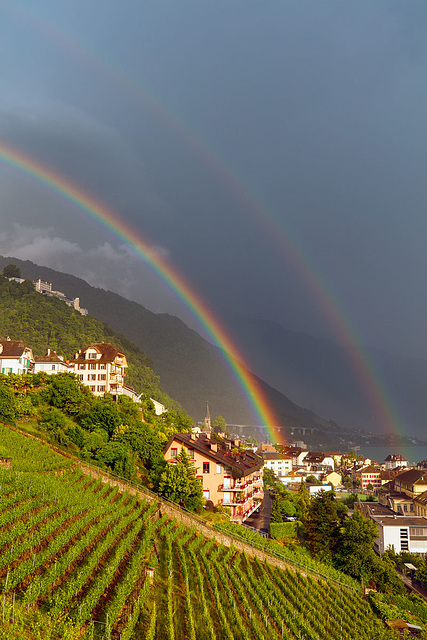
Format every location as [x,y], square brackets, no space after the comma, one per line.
[192,371]
[44,322]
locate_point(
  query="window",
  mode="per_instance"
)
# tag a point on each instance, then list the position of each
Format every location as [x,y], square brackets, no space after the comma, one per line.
[174,452]
[206,494]
[206,467]
[191,454]
[101,387]
[218,468]
[404,545]
[101,366]
[92,388]
[53,367]
[92,356]
[101,376]
[92,366]
[405,508]
[81,366]
[91,376]
[80,376]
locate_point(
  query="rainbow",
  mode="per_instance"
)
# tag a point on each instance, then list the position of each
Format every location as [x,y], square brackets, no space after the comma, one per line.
[170,275]
[361,361]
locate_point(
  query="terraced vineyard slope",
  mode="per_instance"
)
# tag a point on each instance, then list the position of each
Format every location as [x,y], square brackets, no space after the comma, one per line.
[104,564]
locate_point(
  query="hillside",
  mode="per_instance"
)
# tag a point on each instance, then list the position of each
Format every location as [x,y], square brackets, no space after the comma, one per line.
[191,370]
[44,322]
[112,565]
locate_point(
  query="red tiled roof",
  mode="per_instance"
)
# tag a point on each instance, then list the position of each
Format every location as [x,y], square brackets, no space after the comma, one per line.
[241,464]
[107,350]
[12,348]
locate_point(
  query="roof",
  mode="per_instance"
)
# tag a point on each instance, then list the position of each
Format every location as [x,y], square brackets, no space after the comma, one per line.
[241,464]
[370,469]
[107,351]
[270,455]
[412,476]
[421,498]
[51,356]
[12,348]
[395,457]
[401,521]
[316,456]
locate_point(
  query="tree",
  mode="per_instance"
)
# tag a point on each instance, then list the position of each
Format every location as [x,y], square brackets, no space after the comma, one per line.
[219,425]
[179,483]
[355,545]
[12,271]
[7,404]
[321,525]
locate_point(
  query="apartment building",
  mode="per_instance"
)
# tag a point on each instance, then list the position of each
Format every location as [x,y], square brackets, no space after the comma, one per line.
[229,476]
[102,367]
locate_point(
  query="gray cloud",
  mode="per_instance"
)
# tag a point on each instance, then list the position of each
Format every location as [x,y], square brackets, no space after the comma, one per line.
[169,113]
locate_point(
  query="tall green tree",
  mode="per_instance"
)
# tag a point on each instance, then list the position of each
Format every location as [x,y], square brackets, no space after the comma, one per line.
[322,525]
[12,271]
[179,483]
[354,551]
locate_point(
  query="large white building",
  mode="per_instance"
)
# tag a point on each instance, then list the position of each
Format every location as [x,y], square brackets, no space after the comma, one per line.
[102,367]
[279,463]
[401,533]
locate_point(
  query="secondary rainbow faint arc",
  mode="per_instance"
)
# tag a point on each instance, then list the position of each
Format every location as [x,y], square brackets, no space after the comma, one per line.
[169,274]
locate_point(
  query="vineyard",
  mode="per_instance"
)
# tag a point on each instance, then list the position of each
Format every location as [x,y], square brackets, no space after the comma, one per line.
[103,564]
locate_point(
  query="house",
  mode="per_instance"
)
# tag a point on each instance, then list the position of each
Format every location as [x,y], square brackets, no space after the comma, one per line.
[229,477]
[333,478]
[395,460]
[102,367]
[51,363]
[159,408]
[369,475]
[315,461]
[279,463]
[412,482]
[296,453]
[403,533]
[15,357]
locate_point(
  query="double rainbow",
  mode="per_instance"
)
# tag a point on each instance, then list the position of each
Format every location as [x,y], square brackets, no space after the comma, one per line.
[169,274]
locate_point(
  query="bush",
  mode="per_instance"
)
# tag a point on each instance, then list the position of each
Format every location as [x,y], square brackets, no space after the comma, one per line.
[283,530]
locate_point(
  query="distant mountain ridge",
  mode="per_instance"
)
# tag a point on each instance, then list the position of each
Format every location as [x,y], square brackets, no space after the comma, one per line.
[192,371]
[321,375]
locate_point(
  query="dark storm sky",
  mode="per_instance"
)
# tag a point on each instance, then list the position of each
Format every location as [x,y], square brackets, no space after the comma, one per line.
[181,116]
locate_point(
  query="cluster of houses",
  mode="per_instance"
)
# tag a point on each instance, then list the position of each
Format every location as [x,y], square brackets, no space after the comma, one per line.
[401,512]
[232,476]
[100,366]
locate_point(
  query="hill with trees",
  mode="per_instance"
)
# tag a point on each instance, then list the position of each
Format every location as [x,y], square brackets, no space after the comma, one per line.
[46,322]
[191,369]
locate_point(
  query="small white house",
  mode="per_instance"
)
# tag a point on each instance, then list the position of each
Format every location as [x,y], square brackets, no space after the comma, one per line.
[395,460]
[51,364]
[15,357]
[279,463]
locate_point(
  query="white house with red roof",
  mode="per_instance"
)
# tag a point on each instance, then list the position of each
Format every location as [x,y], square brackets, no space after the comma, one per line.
[15,357]
[51,364]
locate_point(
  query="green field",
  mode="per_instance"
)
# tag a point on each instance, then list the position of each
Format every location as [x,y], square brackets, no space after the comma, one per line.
[81,560]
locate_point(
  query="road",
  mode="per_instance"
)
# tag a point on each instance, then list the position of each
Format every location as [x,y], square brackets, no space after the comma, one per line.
[261,519]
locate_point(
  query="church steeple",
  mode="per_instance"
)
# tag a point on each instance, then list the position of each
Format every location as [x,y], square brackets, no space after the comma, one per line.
[207,422]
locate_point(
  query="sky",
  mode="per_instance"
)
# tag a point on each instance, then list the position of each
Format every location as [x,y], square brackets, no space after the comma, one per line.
[274,152]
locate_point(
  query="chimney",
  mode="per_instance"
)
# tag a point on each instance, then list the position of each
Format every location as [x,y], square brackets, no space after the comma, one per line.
[192,436]
[214,447]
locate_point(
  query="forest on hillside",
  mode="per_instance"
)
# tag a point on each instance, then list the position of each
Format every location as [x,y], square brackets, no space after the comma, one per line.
[45,322]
